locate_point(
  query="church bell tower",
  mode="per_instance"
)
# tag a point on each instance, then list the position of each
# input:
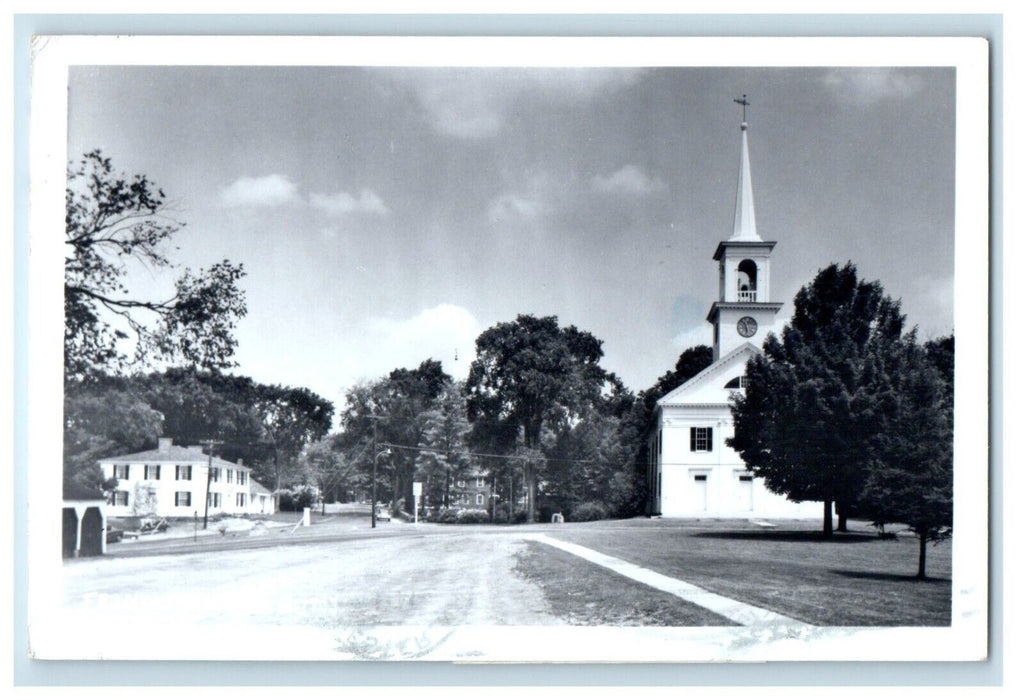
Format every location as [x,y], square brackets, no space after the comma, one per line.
[744,311]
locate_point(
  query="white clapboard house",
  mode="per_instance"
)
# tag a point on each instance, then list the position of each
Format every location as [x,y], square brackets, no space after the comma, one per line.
[171,481]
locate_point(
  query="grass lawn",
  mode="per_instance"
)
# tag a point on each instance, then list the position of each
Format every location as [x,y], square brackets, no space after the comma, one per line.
[852,580]
[587,594]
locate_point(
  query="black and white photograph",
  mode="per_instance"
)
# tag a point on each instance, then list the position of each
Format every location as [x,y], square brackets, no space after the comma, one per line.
[550,350]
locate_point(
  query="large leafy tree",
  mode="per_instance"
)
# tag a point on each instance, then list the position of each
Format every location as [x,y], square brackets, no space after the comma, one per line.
[102,417]
[292,417]
[399,409]
[113,221]
[198,406]
[323,463]
[530,373]
[811,404]
[910,473]
[445,433]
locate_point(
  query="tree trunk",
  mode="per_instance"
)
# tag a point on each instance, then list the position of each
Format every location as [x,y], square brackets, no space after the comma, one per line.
[922,551]
[531,493]
[827,519]
[842,509]
[277,483]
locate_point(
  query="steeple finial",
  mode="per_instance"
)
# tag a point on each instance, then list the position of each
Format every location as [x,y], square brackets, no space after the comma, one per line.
[746,103]
[744,225]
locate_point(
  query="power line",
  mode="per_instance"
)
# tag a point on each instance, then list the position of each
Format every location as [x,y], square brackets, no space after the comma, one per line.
[465,453]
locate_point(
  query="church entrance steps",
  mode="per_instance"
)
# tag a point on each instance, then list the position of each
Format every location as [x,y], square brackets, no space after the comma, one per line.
[734,610]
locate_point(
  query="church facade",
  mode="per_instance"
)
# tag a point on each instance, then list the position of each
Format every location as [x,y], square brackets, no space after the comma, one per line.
[692,473]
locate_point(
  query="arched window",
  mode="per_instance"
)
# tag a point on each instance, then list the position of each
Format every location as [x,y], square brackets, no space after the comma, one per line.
[737,382]
[746,281]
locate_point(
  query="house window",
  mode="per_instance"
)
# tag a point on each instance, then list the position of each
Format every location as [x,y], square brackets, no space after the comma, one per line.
[700,477]
[700,439]
[479,482]
[182,498]
[214,500]
[215,474]
[243,478]
[479,499]
[120,471]
[462,483]
[153,472]
[737,382]
[746,477]
[183,472]
[231,476]
[120,498]
[240,500]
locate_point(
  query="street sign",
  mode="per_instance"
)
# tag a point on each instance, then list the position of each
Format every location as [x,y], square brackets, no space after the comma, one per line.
[417,488]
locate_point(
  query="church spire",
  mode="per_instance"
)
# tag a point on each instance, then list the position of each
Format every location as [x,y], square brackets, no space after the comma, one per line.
[744,225]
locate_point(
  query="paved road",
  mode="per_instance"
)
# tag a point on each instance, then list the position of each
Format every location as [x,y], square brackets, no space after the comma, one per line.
[395,578]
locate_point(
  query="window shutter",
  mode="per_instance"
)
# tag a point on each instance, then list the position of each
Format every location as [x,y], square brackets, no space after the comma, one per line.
[693,439]
[711,443]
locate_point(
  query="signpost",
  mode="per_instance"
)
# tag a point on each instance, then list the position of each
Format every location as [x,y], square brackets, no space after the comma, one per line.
[417,490]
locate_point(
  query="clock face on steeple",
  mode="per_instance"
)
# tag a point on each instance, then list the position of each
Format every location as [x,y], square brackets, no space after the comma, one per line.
[746,326]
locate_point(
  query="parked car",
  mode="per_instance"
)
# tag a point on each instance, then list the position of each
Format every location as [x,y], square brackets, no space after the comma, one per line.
[114,535]
[383,513]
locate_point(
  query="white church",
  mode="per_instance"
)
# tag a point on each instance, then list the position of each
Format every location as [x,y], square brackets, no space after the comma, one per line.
[692,473]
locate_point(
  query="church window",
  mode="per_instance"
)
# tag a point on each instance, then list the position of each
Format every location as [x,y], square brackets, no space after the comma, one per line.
[700,439]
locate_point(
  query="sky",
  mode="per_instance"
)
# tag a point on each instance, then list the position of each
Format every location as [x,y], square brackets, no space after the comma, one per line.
[385,216]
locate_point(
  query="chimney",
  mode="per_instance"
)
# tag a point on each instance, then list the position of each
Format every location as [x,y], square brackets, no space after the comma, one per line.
[240,462]
[163,444]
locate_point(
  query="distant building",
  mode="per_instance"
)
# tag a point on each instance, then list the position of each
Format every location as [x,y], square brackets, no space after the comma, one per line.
[691,471]
[171,481]
[471,490]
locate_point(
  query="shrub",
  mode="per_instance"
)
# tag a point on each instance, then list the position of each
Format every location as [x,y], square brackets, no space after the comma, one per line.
[296,499]
[500,516]
[472,517]
[448,515]
[520,516]
[591,510]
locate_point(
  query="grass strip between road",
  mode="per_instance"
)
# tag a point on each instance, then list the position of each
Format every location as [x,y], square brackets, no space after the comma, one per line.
[586,594]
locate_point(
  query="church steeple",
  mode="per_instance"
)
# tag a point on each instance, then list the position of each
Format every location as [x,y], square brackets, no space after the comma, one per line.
[744,310]
[744,224]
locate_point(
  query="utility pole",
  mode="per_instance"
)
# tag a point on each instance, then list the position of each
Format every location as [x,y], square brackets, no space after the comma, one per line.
[209,474]
[373,483]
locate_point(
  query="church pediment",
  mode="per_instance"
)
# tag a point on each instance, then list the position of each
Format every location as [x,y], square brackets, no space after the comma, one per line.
[709,386]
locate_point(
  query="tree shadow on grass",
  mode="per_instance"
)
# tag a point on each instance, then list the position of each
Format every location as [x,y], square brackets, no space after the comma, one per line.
[788,536]
[898,578]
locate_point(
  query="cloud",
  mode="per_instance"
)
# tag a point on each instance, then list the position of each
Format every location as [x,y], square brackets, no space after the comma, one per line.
[267,191]
[509,207]
[629,181]
[526,203]
[341,203]
[438,332]
[871,85]
[474,103]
